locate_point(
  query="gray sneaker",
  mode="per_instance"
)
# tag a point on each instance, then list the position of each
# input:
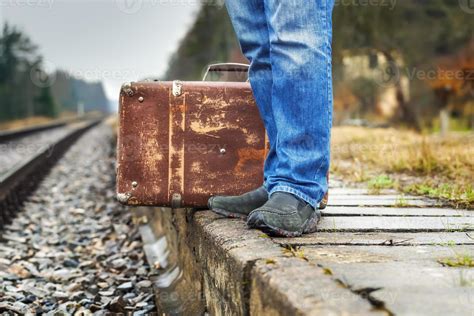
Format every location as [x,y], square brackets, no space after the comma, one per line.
[238,206]
[285,215]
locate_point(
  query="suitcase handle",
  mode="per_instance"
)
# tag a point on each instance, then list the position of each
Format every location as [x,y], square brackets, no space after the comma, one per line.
[227,67]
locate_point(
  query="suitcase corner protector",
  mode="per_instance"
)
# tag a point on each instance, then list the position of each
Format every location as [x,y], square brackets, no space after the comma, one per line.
[123,197]
[127,89]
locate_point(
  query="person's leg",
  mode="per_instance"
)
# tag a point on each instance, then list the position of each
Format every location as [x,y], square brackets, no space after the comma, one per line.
[250,24]
[300,39]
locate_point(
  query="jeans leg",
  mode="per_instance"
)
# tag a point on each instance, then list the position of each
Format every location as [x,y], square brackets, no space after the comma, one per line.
[250,24]
[300,34]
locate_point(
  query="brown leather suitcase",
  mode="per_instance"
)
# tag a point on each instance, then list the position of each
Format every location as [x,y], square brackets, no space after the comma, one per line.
[181,142]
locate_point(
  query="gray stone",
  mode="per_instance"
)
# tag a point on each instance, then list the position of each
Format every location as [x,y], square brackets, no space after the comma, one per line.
[144,284]
[125,286]
[67,237]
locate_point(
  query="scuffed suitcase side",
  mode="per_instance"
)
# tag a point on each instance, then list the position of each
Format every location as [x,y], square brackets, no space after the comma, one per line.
[225,141]
[177,148]
[142,146]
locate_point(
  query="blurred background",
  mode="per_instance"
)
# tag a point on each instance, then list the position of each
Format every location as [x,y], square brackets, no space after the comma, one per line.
[403,62]
[403,73]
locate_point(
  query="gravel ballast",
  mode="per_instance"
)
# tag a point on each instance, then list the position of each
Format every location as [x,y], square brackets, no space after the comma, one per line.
[72,249]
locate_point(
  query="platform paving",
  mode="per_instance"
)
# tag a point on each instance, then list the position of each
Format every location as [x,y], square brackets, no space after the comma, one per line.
[372,255]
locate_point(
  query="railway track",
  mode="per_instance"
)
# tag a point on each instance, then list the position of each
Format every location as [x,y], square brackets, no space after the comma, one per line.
[27,154]
[9,135]
[72,249]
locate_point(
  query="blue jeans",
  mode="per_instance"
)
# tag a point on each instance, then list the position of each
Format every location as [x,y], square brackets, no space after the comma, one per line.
[288,44]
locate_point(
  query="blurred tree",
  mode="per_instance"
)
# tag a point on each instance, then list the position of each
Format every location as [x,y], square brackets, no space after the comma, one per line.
[19,96]
[411,34]
[210,39]
[45,103]
[365,92]
[70,92]
[454,85]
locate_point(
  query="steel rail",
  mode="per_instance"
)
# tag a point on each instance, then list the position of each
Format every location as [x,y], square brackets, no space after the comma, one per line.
[13,134]
[21,174]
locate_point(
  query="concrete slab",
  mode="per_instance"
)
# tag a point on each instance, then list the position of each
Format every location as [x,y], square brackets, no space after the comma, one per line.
[359,191]
[291,286]
[395,224]
[343,197]
[379,239]
[380,200]
[220,269]
[227,251]
[372,260]
[394,211]
[409,281]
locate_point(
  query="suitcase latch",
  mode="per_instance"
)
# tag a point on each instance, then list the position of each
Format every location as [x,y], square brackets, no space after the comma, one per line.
[177,88]
[176,201]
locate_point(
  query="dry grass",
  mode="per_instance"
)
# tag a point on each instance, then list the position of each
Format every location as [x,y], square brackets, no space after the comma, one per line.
[112,121]
[37,120]
[32,121]
[464,260]
[441,167]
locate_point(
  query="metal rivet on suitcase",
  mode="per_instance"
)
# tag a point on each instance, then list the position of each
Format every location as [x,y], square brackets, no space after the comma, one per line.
[141,99]
[222,151]
[134,184]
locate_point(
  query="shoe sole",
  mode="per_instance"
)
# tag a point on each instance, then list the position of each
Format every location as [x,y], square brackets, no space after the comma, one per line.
[229,214]
[309,226]
[224,212]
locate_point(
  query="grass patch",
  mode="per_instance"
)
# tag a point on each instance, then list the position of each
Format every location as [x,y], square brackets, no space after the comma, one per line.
[290,251]
[460,194]
[33,121]
[26,122]
[427,164]
[327,271]
[449,243]
[458,261]
[401,202]
[380,183]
